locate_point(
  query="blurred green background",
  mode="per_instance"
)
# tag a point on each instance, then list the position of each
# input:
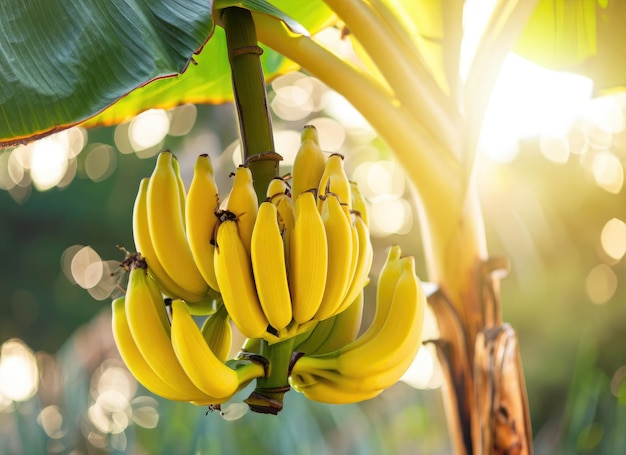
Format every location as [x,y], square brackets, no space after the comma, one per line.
[553,203]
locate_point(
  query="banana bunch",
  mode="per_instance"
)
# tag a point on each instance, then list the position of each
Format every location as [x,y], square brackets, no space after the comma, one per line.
[173,231]
[288,268]
[375,360]
[301,257]
[169,354]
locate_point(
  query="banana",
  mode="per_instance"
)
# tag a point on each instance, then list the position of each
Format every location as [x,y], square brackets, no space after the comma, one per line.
[143,244]
[363,264]
[345,329]
[325,391]
[310,341]
[135,361]
[308,165]
[243,202]
[359,203]
[148,323]
[269,267]
[233,270]
[388,351]
[203,367]
[200,219]
[308,259]
[387,279]
[218,333]
[167,226]
[334,180]
[340,255]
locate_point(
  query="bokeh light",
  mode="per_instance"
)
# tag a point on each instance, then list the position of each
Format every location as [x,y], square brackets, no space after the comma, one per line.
[18,371]
[82,265]
[148,129]
[601,284]
[613,238]
[51,420]
[608,172]
[100,161]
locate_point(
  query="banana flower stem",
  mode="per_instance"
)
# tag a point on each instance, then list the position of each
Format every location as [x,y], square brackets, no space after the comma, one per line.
[267,397]
[255,126]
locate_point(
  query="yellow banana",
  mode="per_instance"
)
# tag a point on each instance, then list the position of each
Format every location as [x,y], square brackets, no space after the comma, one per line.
[308,165]
[340,255]
[218,333]
[201,205]
[202,366]
[395,342]
[387,279]
[325,391]
[167,227]
[345,328]
[143,244]
[234,276]
[308,259]
[135,361]
[358,202]
[363,262]
[376,382]
[147,320]
[243,202]
[269,267]
[334,180]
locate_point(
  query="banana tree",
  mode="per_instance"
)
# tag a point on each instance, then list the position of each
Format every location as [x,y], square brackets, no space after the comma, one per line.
[89,63]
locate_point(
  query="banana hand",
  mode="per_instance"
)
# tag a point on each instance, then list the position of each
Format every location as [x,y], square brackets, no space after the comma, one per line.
[379,357]
[166,222]
[148,324]
[143,244]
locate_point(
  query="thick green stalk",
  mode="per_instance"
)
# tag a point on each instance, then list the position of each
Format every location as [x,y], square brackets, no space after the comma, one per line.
[250,95]
[259,155]
[267,397]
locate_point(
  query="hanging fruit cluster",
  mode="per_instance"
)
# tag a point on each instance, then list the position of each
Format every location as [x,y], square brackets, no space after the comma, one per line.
[289,272]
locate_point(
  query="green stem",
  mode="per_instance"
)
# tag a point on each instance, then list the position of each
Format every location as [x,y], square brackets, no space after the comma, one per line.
[267,397]
[250,97]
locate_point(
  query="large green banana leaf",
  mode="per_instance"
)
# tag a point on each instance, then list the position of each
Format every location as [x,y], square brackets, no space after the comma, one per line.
[64,62]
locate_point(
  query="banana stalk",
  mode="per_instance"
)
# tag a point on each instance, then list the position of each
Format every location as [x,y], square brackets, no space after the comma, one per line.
[250,95]
[259,156]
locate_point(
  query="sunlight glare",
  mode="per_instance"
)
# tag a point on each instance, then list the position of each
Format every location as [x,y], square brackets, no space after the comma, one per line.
[528,100]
